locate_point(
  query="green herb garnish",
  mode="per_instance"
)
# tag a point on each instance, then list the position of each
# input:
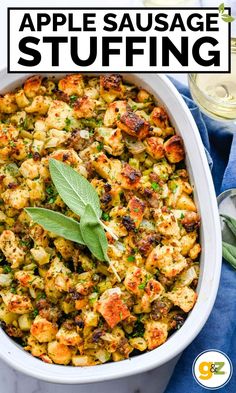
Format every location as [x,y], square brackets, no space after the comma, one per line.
[105,216]
[57,223]
[155,186]
[142,286]
[41,296]
[100,147]
[93,234]
[81,197]
[138,329]
[68,122]
[35,313]
[229,250]
[229,254]
[144,283]
[7,269]
[73,98]
[131,258]
[49,190]
[52,194]
[225,17]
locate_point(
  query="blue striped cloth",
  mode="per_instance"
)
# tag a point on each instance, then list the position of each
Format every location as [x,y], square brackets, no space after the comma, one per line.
[220,329]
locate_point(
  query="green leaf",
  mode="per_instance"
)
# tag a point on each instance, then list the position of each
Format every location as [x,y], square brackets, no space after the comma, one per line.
[93,234]
[73,188]
[73,98]
[155,186]
[230,222]
[227,18]
[142,286]
[221,8]
[105,216]
[131,258]
[57,223]
[229,254]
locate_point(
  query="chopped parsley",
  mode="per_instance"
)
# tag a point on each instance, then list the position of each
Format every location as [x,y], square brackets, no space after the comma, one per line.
[7,269]
[41,296]
[99,122]
[100,147]
[68,122]
[73,98]
[142,286]
[131,258]
[25,243]
[52,194]
[13,169]
[52,200]
[50,190]
[155,186]
[105,216]
[35,313]
[25,124]
[144,283]
[138,329]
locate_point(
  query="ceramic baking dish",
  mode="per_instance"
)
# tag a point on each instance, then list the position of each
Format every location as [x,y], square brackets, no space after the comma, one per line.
[198,168]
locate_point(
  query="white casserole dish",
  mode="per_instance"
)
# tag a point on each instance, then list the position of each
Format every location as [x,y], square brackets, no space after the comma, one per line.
[198,168]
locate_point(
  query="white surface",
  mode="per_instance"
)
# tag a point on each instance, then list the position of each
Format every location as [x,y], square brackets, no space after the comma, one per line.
[153,381]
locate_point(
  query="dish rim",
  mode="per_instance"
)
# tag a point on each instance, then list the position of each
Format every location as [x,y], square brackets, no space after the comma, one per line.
[19,359]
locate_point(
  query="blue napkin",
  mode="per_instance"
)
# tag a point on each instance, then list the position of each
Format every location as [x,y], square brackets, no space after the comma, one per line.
[220,329]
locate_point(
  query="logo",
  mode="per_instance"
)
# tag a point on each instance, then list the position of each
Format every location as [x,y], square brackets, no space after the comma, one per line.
[212,369]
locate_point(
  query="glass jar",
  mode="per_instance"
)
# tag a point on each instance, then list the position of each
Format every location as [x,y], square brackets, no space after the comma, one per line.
[215,94]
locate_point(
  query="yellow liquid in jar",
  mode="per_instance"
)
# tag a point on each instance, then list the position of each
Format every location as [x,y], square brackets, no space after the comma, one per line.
[216,93]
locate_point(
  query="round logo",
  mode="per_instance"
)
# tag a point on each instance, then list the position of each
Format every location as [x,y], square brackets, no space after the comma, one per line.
[212,369]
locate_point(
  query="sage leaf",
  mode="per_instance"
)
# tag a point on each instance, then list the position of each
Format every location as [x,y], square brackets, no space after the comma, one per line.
[57,223]
[73,188]
[227,18]
[93,234]
[221,8]
[230,222]
[229,254]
